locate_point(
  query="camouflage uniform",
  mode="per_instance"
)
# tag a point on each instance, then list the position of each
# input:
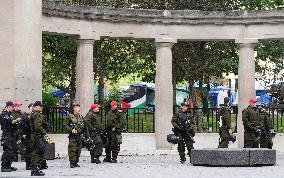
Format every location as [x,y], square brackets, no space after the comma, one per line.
[96,129]
[225,125]
[115,119]
[186,139]
[250,118]
[38,140]
[75,140]
[15,115]
[267,124]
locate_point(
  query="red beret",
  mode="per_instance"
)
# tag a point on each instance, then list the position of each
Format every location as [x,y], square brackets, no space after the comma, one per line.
[16,104]
[95,106]
[113,103]
[252,100]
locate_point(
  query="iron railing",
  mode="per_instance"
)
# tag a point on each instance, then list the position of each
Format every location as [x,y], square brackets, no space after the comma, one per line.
[142,120]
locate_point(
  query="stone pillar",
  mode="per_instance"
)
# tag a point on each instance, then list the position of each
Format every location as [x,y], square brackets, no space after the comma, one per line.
[163,92]
[246,81]
[20,51]
[84,74]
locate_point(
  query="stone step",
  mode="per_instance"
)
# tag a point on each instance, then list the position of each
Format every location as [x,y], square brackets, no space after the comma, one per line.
[233,157]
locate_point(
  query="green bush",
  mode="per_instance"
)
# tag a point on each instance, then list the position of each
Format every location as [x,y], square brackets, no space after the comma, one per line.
[49,100]
[114,94]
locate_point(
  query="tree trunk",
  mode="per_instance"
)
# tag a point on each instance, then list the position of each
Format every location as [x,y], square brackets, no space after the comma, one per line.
[72,85]
[101,86]
[174,81]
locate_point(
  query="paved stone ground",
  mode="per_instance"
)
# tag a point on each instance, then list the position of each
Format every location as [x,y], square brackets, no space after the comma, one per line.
[167,166]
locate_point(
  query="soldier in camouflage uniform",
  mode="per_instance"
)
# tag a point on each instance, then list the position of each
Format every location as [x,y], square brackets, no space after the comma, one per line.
[75,126]
[38,137]
[252,125]
[184,128]
[96,129]
[225,124]
[16,113]
[114,126]
[267,123]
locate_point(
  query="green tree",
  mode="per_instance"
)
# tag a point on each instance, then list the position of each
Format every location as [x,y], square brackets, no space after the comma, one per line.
[59,63]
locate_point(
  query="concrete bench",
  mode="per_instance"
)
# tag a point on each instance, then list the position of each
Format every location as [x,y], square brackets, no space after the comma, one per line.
[233,157]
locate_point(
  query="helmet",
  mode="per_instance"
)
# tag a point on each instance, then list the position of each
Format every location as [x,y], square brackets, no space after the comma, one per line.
[173,139]
[272,133]
[232,138]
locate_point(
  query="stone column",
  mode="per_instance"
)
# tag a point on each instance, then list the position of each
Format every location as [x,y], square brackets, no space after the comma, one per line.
[246,81]
[84,74]
[163,92]
[20,51]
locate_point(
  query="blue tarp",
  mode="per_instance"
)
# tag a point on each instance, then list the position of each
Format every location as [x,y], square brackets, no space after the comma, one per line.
[58,93]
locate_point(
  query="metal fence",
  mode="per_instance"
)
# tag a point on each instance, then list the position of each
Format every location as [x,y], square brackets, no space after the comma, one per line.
[138,120]
[142,120]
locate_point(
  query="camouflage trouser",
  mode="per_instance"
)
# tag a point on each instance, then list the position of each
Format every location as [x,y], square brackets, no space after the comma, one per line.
[250,140]
[185,141]
[265,143]
[98,149]
[224,138]
[74,149]
[113,146]
[38,150]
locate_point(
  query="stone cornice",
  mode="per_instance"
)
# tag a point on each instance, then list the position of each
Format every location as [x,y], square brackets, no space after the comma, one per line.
[160,16]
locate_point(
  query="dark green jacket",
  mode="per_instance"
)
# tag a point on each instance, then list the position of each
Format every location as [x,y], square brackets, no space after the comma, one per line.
[225,117]
[115,118]
[37,121]
[265,120]
[93,121]
[250,118]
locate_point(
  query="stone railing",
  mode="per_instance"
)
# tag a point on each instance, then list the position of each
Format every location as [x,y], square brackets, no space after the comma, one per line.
[50,8]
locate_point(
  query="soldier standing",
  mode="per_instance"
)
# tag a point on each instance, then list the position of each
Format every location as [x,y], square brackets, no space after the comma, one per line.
[250,118]
[8,138]
[267,123]
[184,128]
[25,133]
[75,125]
[115,124]
[38,137]
[225,124]
[16,113]
[96,129]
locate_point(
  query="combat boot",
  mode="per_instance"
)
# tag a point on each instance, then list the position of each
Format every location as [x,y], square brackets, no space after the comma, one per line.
[28,167]
[77,165]
[96,160]
[37,172]
[182,159]
[13,168]
[73,165]
[114,160]
[107,159]
[5,169]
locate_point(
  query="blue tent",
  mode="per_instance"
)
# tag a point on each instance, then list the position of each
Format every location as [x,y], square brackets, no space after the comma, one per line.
[58,93]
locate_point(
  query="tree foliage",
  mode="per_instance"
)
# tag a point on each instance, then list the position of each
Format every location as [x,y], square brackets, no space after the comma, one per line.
[192,61]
